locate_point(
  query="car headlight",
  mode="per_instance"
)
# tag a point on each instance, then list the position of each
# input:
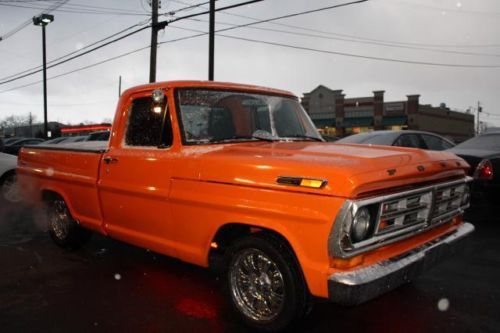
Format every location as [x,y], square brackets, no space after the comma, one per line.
[360,225]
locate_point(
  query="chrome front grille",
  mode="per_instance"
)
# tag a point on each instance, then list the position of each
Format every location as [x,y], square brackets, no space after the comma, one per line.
[399,215]
[447,200]
[433,206]
[403,212]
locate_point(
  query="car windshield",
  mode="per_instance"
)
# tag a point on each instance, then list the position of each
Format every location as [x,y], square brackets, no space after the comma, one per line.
[210,116]
[369,138]
[483,142]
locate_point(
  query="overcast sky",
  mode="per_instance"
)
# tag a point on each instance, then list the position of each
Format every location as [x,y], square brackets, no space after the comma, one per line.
[463,35]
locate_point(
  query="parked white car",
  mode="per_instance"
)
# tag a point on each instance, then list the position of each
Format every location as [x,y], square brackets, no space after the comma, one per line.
[9,190]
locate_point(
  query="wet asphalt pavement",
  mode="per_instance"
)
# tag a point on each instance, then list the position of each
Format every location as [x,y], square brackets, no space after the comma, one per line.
[109,286]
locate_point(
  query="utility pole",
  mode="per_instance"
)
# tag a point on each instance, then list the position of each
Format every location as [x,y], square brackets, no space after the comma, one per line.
[211,41]
[479,110]
[154,41]
[30,121]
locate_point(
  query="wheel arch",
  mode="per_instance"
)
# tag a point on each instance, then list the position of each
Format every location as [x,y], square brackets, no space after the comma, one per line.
[47,194]
[3,178]
[7,174]
[227,233]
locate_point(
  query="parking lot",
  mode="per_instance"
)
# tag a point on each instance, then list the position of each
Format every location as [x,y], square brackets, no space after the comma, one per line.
[110,286]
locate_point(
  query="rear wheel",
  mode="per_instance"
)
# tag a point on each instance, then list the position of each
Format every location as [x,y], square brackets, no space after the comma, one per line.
[264,283]
[63,229]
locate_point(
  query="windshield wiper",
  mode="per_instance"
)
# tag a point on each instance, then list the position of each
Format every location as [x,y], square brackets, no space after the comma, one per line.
[302,136]
[264,136]
[247,137]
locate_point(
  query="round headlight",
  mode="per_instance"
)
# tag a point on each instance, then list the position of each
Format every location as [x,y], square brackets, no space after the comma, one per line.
[360,225]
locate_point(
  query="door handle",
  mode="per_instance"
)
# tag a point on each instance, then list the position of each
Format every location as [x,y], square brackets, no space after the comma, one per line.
[110,160]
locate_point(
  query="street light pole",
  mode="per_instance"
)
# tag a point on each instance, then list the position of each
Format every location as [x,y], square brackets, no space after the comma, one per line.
[42,20]
[479,110]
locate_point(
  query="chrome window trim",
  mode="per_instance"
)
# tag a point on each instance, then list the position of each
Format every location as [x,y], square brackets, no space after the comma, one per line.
[342,224]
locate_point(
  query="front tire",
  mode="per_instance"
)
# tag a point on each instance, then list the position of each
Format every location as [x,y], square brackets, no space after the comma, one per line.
[264,283]
[63,229]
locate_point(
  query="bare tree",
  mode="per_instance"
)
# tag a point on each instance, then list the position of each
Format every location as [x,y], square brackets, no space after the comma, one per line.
[17,121]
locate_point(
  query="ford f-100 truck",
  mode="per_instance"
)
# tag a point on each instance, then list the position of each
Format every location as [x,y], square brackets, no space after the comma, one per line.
[237,178]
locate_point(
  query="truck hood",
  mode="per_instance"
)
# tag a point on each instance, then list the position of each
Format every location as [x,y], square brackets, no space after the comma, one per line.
[350,170]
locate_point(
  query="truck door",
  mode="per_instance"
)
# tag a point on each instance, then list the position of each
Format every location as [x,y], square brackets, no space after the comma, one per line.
[135,175]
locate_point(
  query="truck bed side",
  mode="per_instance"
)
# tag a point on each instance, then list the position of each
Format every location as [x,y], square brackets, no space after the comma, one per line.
[69,172]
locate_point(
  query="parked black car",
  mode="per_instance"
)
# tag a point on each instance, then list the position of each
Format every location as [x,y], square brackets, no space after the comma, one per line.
[56,140]
[483,154]
[412,139]
[99,136]
[14,146]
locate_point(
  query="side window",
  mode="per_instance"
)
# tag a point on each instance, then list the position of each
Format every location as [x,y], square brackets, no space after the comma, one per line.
[408,140]
[145,124]
[435,143]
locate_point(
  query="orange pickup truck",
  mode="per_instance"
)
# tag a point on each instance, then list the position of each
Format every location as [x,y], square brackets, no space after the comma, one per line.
[237,178]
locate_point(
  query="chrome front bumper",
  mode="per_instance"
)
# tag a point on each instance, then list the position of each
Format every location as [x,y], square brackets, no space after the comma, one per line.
[361,285]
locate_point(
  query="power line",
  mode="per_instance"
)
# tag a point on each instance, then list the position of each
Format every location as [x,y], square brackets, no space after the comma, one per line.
[28,22]
[103,8]
[189,7]
[270,19]
[24,74]
[355,36]
[363,56]
[76,56]
[77,70]
[298,47]
[60,105]
[101,62]
[77,10]
[457,10]
[200,33]
[357,41]
[167,22]
[37,69]
[489,114]
[163,42]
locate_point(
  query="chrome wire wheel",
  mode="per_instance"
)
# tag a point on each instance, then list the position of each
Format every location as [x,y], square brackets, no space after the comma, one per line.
[59,219]
[10,189]
[256,285]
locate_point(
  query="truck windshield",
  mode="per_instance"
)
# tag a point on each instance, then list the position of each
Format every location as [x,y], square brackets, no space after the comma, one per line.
[210,116]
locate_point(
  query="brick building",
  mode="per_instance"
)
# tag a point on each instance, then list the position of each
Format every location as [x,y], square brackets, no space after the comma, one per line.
[335,114]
